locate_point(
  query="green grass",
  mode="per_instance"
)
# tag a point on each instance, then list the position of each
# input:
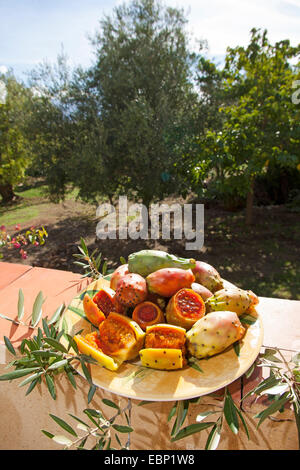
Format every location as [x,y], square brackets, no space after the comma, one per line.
[18,215]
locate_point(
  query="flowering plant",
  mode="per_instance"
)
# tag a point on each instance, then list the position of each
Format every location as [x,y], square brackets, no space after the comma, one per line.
[34,236]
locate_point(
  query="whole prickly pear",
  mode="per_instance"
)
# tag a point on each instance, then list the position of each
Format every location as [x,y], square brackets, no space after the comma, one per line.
[167,281]
[201,290]
[208,276]
[145,262]
[233,299]
[117,275]
[131,290]
[213,333]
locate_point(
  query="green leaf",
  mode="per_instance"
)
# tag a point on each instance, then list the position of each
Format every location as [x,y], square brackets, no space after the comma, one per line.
[122,429]
[123,260]
[48,434]
[91,392]
[63,440]
[239,412]
[110,403]
[51,386]
[230,413]
[63,424]
[57,364]
[181,412]
[213,438]
[30,378]
[57,314]
[194,364]
[83,246]
[71,378]
[37,309]
[55,344]
[18,373]
[237,348]
[192,429]
[275,406]
[20,305]
[9,345]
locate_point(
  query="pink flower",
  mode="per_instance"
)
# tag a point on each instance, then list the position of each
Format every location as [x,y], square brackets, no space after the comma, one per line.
[2,227]
[17,227]
[23,254]
[17,245]
[36,243]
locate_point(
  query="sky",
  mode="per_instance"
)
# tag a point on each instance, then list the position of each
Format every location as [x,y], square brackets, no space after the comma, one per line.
[33,31]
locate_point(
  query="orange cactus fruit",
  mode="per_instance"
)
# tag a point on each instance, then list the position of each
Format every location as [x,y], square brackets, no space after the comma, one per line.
[117,275]
[89,345]
[167,281]
[147,314]
[185,308]
[164,347]
[201,290]
[120,337]
[92,311]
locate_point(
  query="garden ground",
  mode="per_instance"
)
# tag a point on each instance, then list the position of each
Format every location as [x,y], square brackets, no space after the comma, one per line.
[264,257]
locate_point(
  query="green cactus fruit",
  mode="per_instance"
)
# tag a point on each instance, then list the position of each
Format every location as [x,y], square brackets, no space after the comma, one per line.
[207,276]
[233,299]
[214,333]
[145,262]
[163,359]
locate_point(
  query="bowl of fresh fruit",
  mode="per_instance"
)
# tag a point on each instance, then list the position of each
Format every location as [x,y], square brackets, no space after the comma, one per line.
[163,327]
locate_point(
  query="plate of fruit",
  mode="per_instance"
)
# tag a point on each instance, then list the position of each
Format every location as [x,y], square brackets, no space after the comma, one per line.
[164,328]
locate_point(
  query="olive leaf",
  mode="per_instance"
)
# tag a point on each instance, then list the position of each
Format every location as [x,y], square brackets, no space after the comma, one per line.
[37,309]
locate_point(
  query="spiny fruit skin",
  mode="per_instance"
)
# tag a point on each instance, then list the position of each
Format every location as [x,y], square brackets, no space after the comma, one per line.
[201,290]
[162,359]
[167,281]
[145,262]
[208,276]
[233,299]
[117,275]
[131,290]
[213,333]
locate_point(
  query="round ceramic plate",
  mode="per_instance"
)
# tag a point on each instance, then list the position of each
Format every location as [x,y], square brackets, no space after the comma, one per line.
[137,382]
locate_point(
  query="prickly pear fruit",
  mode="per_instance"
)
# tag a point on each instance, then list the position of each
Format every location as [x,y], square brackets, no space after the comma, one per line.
[147,314]
[201,290]
[167,281]
[117,275]
[92,311]
[145,262]
[120,337]
[131,290]
[106,301]
[233,299]
[162,359]
[208,276]
[88,345]
[185,308]
[213,333]
[164,336]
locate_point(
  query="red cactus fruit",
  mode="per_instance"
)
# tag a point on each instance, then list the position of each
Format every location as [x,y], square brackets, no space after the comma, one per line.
[117,275]
[167,281]
[131,290]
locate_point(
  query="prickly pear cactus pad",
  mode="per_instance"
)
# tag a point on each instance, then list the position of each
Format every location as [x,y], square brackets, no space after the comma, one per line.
[199,377]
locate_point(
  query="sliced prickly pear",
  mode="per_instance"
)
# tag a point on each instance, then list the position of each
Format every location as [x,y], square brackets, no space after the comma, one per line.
[213,333]
[233,299]
[208,276]
[131,290]
[145,262]
[164,336]
[92,311]
[147,314]
[162,359]
[167,281]
[117,275]
[120,337]
[88,346]
[185,308]
[201,290]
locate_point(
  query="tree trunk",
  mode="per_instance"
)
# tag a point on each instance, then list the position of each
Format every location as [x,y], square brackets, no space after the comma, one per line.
[249,204]
[7,192]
